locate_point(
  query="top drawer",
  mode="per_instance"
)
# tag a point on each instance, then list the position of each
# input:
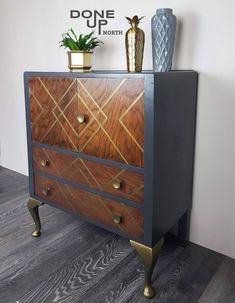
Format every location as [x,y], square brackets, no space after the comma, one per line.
[102,117]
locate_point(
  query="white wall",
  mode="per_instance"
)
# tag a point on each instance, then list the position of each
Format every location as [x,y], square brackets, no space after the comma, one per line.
[30,31]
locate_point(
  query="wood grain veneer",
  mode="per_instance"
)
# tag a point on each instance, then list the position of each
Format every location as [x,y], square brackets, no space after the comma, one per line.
[90,173]
[90,205]
[113,109]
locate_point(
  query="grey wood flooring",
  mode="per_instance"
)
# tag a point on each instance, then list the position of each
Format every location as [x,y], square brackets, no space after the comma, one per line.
[76,262]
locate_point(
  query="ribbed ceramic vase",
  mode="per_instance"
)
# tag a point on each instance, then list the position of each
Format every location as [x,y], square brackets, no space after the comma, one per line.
[163,38]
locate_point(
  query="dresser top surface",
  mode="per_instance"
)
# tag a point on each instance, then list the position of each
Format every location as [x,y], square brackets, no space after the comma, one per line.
[101,72]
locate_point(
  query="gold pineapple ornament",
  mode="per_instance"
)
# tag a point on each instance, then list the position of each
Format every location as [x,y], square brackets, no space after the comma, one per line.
[134,45]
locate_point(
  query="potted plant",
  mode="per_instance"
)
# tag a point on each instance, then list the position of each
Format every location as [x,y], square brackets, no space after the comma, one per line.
[81,49]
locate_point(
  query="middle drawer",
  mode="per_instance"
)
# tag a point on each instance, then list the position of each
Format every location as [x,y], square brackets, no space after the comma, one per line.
[102,177]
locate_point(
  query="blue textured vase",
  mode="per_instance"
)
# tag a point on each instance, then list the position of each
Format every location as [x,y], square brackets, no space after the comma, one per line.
[163,38]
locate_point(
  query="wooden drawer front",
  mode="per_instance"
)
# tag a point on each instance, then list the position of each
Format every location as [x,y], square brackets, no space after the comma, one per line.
[99,176]
[97,208]
[113,109]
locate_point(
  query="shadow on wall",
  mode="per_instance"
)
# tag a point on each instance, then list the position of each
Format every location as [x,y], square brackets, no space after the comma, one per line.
[215,141]
[185,40]
[214,182]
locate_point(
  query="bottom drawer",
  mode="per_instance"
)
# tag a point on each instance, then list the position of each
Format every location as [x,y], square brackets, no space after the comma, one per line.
[124,218]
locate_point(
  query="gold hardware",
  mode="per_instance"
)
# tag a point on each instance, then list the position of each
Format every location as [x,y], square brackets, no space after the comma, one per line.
[44,162]
[33,209]
[46,191]
[149,256]
[116,184]
[81,118]
[117,219]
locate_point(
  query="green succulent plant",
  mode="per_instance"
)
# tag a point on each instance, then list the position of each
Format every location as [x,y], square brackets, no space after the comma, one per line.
[84,43]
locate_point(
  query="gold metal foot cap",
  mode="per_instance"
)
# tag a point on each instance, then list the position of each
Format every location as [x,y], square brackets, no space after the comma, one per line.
[36,233]
[149,292]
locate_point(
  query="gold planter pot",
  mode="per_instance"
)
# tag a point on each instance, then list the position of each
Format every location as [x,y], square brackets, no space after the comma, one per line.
[79,61]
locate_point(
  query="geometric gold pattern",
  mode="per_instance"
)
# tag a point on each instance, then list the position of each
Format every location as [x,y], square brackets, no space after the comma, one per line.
[93,174]
[113,109]
[92,206]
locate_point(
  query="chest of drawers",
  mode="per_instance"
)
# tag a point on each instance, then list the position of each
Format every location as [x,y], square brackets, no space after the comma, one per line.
[116,149]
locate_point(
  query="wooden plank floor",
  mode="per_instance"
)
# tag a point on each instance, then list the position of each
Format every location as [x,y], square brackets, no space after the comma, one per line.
[75,262]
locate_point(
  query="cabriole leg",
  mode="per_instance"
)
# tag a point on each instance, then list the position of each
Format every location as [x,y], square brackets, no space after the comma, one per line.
[33,209]
[149,256]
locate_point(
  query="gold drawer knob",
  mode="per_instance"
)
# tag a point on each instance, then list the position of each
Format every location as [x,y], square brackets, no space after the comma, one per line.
[46,191]
[117,219]
[81,118]
[44,162]
[116,184]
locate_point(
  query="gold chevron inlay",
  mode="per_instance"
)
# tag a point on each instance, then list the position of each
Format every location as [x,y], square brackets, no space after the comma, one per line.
[95,124]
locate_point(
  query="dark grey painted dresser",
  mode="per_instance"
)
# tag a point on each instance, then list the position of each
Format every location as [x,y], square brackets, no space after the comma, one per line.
[116,149]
